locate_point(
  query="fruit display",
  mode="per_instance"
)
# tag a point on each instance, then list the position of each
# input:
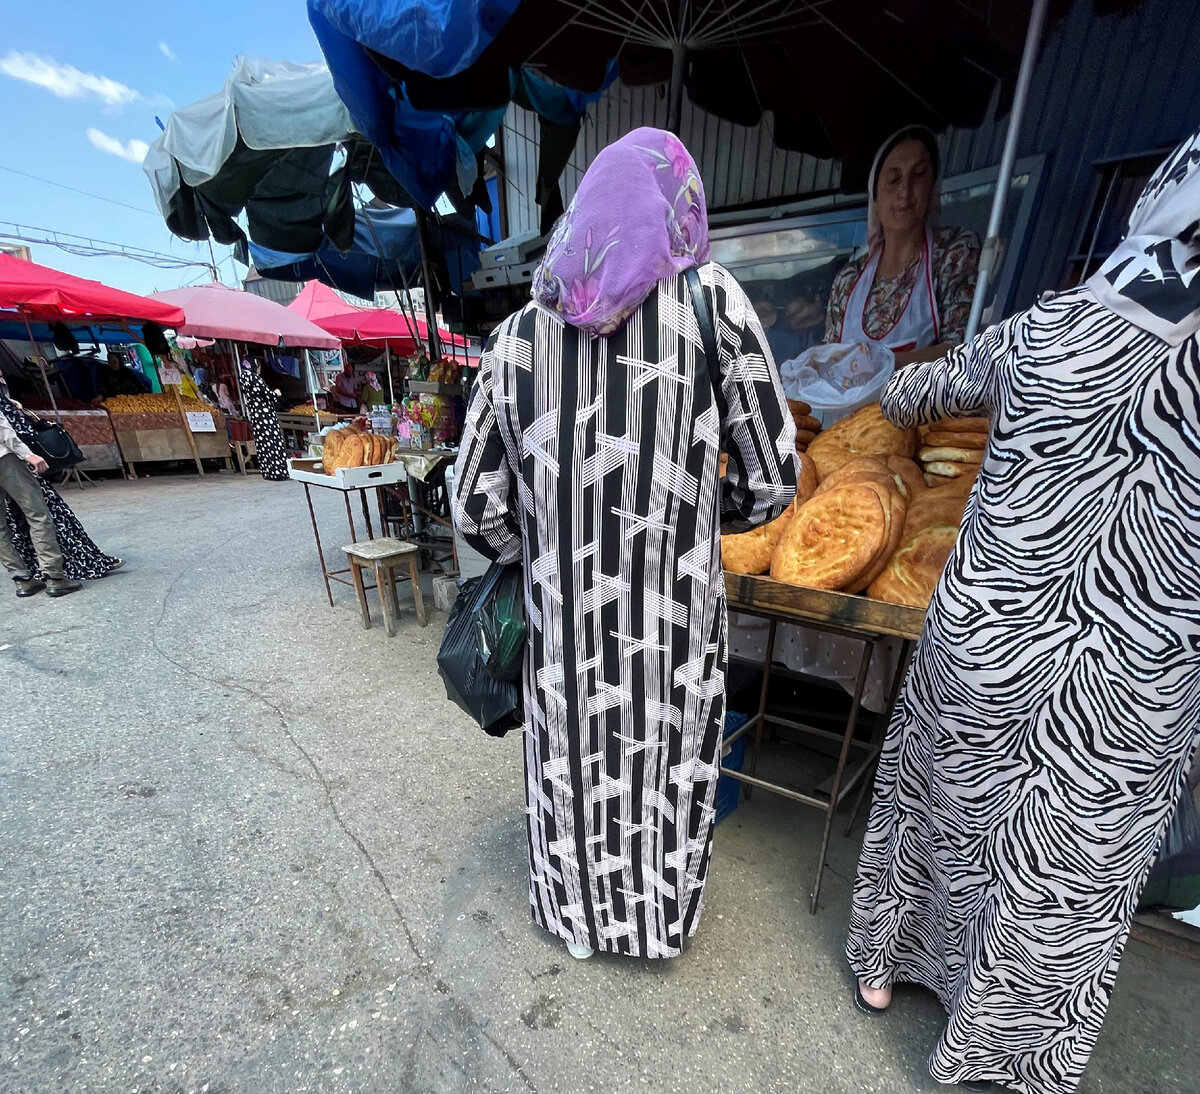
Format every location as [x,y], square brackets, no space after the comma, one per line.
[307,410]
[866,518]
[353,446]
[135,412]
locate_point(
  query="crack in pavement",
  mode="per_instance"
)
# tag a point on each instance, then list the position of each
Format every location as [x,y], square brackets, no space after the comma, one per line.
[424,967]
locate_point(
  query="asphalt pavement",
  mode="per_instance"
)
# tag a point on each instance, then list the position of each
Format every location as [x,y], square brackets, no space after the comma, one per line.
[247,846]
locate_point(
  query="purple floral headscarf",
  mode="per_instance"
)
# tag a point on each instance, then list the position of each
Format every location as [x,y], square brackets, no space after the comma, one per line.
[637,217]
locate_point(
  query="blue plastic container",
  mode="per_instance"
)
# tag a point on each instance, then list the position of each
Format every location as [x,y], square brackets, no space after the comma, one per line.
[729,790]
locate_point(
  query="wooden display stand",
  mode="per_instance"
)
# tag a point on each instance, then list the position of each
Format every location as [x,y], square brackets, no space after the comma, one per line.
[870,621]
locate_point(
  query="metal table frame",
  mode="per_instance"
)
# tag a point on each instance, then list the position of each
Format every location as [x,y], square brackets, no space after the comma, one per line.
[844,780]
[335,575]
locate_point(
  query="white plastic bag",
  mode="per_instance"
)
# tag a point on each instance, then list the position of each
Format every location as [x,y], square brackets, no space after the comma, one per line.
[838,378]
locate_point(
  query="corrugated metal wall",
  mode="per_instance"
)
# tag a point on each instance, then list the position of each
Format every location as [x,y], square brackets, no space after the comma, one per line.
[738,165]
[1104,86]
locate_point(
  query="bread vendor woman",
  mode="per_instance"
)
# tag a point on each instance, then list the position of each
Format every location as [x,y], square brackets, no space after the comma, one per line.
[911,290]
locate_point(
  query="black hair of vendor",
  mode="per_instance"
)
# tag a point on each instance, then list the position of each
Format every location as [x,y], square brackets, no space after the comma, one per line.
[909,133]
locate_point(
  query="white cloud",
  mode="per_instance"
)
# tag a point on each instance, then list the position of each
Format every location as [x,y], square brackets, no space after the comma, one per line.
[133,151]
[167,51]
[65,81]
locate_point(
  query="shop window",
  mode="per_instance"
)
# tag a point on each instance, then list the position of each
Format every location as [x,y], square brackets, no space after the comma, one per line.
[1119,182]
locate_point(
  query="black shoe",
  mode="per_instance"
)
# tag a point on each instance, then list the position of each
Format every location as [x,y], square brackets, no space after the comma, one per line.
[61,586]
[28,586]
[863,1005]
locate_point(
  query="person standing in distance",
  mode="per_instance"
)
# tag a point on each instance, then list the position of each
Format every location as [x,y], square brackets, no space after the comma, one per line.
[18,484]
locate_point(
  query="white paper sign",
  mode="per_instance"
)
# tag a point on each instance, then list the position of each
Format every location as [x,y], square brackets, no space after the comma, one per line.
[200,421]
[169,375]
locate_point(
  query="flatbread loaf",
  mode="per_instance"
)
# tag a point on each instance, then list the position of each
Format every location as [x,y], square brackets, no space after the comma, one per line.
[935,438]
[834,539]
[908,471]
[896,512]
[954,455]
[914,570]
[750,552]
[866,432]
[808,479]
[330,448]
[951,469]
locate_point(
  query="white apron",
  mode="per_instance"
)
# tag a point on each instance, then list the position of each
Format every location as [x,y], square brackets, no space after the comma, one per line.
[917,326]
[813,652]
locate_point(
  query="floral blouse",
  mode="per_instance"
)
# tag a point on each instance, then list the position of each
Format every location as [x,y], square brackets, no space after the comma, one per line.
[955,265]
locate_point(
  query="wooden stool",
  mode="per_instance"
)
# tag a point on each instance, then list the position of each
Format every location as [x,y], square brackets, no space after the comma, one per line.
[243,450]
[383,556]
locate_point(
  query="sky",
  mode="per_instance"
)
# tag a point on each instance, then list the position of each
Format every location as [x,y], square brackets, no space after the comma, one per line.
[80,86]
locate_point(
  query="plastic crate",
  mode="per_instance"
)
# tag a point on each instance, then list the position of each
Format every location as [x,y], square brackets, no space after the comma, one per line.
[729,790]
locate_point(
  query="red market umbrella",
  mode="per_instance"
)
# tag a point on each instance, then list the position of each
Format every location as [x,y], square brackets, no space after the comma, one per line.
[39,292]
[319,304]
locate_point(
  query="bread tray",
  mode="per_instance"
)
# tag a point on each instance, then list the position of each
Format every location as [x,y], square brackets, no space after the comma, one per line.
[347,478]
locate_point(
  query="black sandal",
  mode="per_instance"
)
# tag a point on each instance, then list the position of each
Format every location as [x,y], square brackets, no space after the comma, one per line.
[863,1005]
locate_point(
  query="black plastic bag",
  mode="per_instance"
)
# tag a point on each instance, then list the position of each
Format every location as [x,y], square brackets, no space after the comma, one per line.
[500,626]
[484,606]
[1174,881]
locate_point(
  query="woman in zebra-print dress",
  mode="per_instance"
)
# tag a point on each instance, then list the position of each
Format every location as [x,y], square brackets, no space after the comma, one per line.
[1044,731]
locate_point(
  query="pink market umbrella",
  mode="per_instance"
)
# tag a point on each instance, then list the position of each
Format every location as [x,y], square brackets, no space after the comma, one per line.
[217,311]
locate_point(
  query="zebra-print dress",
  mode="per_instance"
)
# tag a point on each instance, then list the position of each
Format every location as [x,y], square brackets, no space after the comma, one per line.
[595,461]
[1043,734]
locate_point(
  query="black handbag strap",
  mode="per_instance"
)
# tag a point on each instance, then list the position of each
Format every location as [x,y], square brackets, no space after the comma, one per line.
[708,336]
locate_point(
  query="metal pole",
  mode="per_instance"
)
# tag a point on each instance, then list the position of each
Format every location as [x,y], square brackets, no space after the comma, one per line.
[675,94]
[37,360]
[387,356]
[311,378]
[435,349]
[991,247]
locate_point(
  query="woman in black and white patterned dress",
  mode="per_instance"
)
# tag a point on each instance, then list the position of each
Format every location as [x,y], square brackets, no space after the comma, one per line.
[591,453]
[82,559]
[1044,731]
[260,404]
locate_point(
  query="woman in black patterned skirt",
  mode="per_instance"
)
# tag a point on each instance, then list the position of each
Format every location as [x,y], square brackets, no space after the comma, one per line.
[258,403]
[81,557]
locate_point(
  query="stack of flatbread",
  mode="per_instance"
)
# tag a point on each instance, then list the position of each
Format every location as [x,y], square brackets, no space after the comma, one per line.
[866,518]
[844,535]
[952,449]
[807,427]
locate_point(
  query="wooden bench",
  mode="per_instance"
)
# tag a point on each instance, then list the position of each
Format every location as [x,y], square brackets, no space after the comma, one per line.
[383,556]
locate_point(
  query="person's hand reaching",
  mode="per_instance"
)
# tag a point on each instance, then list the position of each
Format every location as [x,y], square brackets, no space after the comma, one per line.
[38,464]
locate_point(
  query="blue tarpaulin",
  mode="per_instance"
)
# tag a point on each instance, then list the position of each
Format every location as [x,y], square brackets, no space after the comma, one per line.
[385,253]
[437,37]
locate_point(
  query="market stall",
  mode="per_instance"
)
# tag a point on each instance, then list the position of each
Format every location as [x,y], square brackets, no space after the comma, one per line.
[240,320]
[163,428]
[33,293]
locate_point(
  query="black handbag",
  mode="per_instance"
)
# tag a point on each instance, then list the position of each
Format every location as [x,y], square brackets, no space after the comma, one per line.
[55,445]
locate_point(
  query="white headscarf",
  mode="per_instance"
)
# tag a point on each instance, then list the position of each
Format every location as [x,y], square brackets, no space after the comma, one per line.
[911,132]
[1152,279]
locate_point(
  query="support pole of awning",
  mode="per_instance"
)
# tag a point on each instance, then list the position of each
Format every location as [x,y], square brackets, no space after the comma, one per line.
[991,246]
[675,93]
